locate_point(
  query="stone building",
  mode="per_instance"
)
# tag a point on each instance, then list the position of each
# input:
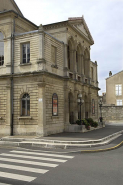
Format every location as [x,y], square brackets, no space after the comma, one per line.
[114,89]
[42,71]
[112,109]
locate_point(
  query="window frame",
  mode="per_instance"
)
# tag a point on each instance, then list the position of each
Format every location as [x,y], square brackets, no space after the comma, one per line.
[55,49]
[22,53]
[2,56]
[54,94]
[25,99]
[92,73]
[117,92]
[93,106]
[119,102]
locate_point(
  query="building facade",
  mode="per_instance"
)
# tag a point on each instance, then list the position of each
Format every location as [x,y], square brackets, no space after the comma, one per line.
[42,71]
[114,89]
[113,106]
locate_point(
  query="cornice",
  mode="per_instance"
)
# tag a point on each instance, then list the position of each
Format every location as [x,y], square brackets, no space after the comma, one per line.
[64,24]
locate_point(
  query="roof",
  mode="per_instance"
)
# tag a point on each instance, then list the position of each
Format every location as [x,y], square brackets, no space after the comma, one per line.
[15,4]
[76,23]
[19,16]
[114,74]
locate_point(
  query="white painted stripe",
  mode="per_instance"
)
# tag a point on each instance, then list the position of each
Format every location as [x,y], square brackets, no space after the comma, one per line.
[28,162]
[17,177]
[45,154]
[4,183]
[31,157]
[22,168]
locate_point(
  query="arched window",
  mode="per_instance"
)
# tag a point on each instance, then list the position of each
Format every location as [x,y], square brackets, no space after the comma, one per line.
[55,105]
[1,49]
[25,103]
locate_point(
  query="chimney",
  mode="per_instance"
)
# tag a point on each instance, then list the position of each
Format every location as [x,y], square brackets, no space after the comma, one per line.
[110,73]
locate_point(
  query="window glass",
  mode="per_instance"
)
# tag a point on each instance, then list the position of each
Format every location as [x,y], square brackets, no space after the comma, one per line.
[118,90]
[93,106]
[53,54]
[119,102]
[25,105]
[68,55]
[55,105]
[1,49]
[92,73]
[26,53]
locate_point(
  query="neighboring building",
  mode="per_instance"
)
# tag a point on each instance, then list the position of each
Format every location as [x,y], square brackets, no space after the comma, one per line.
[42,70]
[114,89]
[112,109]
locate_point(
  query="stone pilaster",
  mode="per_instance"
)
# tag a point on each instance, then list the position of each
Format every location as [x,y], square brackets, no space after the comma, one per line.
[8,110]
[41,61]
[66,60]
[41,109]
[75,106]
[74,64]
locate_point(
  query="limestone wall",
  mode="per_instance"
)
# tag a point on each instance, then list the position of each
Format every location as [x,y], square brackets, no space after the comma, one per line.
[33,40]
[54,124]
[25,125]
[49,41]
[112,113]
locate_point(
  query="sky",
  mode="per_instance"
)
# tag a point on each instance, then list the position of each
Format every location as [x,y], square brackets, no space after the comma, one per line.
[104,19]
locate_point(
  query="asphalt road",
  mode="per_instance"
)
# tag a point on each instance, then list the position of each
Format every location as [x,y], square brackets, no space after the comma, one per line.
[21,167]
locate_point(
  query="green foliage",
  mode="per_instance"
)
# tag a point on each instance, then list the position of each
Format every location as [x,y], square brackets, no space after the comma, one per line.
[78,122]
[84,121]
[95,124]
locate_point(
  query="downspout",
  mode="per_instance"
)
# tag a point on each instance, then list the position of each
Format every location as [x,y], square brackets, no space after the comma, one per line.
[12,72]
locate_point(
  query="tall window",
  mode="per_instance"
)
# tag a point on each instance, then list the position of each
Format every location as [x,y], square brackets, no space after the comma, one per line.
[68,56]
[55,105]
[119,102]
[92,73]
[118,90]
[93,106]
[25,103]
[26,53]
[1,49]
[77,65]
[53,54]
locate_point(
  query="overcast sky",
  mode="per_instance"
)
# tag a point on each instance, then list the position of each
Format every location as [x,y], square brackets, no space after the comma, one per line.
[104,19]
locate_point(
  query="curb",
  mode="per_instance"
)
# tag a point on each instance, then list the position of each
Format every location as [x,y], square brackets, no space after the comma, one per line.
[103,150]
[57,145]
[97,141]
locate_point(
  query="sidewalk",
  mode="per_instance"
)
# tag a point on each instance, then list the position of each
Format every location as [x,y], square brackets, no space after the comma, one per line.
[94,140]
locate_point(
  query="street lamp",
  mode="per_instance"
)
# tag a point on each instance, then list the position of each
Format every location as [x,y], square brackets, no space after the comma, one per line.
[80,102]
[100,105]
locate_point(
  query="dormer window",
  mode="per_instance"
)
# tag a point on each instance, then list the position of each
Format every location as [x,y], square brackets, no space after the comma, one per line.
[1,49]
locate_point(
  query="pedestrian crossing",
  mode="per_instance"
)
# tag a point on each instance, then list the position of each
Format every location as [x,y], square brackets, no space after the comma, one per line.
[25,166]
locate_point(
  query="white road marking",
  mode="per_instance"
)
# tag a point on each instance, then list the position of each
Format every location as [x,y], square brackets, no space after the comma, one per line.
[31,157]
[22,168]
[45,154]
[28,162]
[17,177]
[4,183]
